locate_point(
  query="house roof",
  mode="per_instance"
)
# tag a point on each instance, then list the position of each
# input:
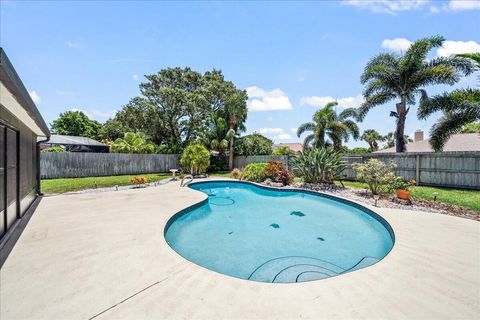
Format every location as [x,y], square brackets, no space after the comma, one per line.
[73,140]
[16,99]
[457,142]
[297,147]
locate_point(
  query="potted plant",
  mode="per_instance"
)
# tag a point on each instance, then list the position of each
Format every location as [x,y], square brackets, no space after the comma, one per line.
[402,187]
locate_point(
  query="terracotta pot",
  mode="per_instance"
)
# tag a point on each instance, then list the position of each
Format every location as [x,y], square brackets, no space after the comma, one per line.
[403,194]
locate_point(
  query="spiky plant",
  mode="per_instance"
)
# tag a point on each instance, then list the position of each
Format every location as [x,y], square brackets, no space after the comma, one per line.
[390,76]
[460,108]
[327,123]
[316,165]
[372,137]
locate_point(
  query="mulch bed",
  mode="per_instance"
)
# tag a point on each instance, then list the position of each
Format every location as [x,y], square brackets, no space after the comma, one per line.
[390,201]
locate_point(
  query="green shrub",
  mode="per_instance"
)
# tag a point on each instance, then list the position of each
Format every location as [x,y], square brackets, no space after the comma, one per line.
[195,158]
[54,149]
[316,165]
[376,174]
[254,172]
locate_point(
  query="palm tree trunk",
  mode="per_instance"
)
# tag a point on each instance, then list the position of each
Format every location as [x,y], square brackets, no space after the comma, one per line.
[230,155]
[399,133]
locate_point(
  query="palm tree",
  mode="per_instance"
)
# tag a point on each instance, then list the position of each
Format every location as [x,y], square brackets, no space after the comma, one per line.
[236,113]
[326,122]
[460,107]
[371,137]
[389,139]
[390,76]
[133,143]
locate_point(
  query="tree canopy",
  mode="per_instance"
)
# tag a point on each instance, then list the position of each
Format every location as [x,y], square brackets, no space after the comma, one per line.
[180,105]
[253,144]
[76,123]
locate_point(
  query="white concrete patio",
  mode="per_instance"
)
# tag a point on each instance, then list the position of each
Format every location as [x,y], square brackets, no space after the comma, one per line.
[104,256]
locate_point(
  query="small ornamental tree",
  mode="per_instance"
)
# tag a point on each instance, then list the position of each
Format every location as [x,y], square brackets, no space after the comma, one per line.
[195,158]
[376,174]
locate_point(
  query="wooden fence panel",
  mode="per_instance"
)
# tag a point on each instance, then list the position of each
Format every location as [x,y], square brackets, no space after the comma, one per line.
[85,164]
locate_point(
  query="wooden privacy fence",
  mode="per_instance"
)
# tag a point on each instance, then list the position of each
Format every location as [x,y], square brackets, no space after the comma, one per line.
[444,169]
[86,164]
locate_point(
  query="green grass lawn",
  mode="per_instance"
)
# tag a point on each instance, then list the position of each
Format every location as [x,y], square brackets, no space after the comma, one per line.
[76,184]
[464,198]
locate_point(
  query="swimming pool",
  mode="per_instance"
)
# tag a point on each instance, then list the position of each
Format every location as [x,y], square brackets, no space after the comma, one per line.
[281,236]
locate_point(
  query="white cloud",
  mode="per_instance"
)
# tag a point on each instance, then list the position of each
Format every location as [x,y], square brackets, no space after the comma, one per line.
[294,130]
[283,136]
[346,102]
[456,5]
[271,130]
[104,115]
[398,44]
[74,45]
[263,100]
[387,6]
[135,77]
[455,47]
[35,97]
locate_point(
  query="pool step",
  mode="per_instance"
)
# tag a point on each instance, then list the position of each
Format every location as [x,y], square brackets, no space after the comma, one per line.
[299,269]
[294,269]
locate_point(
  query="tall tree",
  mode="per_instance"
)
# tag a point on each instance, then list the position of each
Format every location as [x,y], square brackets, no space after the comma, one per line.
[236,112]
[326,123]
[460,108]
[372,137]
[252,145]
[390,76]
[76,123]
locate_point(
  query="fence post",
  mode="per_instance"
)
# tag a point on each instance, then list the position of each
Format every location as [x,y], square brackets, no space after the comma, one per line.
[417,169]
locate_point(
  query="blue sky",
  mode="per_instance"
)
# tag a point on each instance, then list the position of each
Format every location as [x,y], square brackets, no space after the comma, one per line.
[292,56]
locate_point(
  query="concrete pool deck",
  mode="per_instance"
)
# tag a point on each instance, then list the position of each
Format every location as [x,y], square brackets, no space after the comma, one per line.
[104,256]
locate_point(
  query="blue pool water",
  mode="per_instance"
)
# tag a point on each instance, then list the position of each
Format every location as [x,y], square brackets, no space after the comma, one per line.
[267,235]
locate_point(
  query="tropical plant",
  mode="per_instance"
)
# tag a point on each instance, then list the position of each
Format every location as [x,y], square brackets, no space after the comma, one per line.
[254,172]
[276,171]
[376,174]
[390,76]
[236,173]
[460,108]
[252,145]
[283,151]
[319,165]
[389,139]
[195,158]
[76,123]
[326,123]
[133,143]
[372,137]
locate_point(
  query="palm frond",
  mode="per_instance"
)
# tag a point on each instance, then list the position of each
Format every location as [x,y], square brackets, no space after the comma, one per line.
[308,126]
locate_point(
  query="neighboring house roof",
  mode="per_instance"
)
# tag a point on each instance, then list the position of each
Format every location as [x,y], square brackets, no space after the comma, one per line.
[16,99]
[297,147]
[73,140]
[457,142]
